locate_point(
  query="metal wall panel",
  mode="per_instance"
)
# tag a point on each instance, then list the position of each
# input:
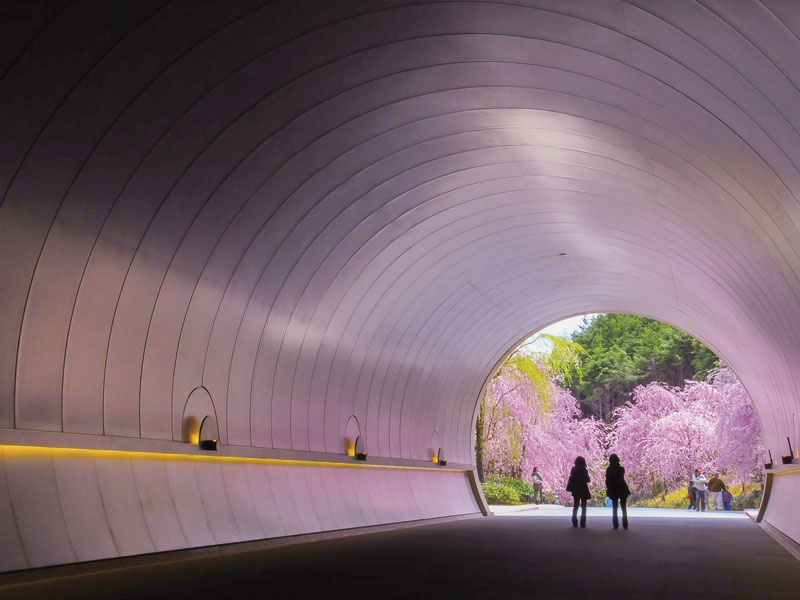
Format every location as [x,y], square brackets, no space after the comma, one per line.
[120,496]
[38,513]
[65,505]
[332,209]
[194,522]
[13,556]
[78,494]
[781,511]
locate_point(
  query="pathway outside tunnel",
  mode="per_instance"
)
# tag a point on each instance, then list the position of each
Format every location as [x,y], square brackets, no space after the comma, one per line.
[286,215]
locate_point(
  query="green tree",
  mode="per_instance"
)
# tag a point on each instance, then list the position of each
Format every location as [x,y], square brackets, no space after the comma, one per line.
[623,351]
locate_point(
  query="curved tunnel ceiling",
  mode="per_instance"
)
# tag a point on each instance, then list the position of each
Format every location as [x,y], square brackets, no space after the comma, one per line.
[317,210]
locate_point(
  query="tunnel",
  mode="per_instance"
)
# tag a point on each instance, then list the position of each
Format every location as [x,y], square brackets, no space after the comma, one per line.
[259,259]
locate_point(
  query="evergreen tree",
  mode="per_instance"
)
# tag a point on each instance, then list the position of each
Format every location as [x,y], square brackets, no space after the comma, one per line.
[624,351]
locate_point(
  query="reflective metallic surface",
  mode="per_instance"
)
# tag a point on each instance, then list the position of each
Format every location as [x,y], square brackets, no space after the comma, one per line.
[310,211]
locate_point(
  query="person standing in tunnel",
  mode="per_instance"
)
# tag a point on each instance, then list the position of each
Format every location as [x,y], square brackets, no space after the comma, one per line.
[617,490]
[578,486]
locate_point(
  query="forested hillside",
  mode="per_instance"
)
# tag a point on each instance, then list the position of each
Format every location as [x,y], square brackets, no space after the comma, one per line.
[623,351]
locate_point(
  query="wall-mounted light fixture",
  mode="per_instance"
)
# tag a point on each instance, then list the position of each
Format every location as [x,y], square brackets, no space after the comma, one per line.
[360,450]
[209,434]
[352,431]
[434,448]
[440,457]
[787,460]
[191,430]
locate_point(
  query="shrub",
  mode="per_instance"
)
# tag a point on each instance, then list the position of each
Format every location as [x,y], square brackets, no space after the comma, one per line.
[497,493]
[507,490]
[750,497]
[677,499]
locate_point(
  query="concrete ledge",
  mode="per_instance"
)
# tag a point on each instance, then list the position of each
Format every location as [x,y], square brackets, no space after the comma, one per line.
[146,560]
[83,441]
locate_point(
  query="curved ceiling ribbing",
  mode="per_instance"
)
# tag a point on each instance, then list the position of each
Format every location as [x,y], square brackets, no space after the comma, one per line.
[321,210]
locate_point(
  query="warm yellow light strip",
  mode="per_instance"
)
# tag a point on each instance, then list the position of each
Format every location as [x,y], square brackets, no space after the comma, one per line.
[786,471]
[84,453]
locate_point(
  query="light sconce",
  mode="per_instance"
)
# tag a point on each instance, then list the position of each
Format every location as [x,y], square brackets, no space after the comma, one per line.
[440,457]
[359,450]
[771,462]
[191,430]
[209,434]
[787,460]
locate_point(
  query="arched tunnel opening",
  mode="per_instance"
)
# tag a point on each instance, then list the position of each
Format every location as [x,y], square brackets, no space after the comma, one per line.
[258,259]
[618,384]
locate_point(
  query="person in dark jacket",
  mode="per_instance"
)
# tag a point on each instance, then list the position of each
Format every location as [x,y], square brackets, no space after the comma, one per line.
[617,490]
[715,487]
[578,486]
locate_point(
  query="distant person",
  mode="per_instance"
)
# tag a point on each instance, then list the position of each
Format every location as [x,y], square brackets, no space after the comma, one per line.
[617,490]
[537,486]
[699,481]
[715,487]
[578,486]
[692,495]
[727,498]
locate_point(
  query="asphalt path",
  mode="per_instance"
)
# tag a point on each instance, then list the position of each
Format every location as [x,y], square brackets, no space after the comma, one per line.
[535,553]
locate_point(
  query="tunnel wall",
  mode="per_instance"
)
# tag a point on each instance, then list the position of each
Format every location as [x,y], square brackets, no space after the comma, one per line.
[781,510]
[324,219]
[79,505]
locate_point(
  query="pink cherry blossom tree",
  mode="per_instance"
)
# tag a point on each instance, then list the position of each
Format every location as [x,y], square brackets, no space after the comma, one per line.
[525,425]
[665,433]
[661,435]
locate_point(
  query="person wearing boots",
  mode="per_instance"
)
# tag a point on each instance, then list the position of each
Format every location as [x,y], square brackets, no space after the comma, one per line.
[617,490]
[578,486]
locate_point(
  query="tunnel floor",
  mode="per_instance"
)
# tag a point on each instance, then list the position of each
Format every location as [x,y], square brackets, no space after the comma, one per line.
[509,556]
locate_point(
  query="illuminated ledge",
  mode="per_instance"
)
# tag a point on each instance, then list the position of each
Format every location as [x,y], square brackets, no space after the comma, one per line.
[771,474]
[784,470]
[15,440]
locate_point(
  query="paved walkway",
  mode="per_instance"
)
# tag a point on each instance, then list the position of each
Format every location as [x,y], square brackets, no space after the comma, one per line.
[592,512]
[537,555]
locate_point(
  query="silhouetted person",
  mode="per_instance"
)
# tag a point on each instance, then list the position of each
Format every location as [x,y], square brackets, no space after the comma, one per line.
[537,486]
[578,486]
[617,490]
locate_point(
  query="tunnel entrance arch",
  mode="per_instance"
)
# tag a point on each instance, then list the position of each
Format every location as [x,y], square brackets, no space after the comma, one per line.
[662,420]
